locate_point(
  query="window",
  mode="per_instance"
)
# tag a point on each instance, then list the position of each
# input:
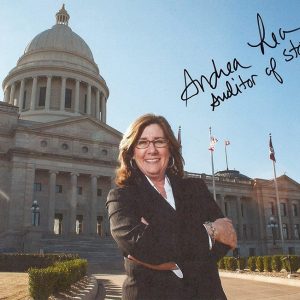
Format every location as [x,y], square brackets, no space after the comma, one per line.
[85,104]
[252,251]
[24,100]
[295,210]
[272,208]
[283,209]
[297,231]
[245,231]
[104,152]
[242,209]
[68,98]
[44,143]
[79,190]
[99,192]
[291,250]
[42,98]
[58,189]
[65,146]
[85,149]
[285,231]
[37,187]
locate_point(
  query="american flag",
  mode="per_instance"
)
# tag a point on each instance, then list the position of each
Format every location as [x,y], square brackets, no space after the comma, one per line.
[212,144]
[272,152]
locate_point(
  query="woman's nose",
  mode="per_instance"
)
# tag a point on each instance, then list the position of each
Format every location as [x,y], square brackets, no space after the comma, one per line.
[152,148]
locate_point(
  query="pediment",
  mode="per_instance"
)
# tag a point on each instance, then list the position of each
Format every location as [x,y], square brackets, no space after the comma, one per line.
[80,128]
[287,183]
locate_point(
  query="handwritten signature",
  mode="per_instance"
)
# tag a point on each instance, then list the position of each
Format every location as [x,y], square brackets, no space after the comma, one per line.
[193,86]
[274,38]
[236,86]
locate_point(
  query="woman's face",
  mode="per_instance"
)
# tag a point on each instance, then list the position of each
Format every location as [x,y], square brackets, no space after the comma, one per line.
[152,161]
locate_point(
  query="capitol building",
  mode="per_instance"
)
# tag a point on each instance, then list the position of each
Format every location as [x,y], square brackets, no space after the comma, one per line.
[58,157]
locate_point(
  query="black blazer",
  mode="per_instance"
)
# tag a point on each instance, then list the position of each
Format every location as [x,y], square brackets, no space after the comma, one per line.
[172,235]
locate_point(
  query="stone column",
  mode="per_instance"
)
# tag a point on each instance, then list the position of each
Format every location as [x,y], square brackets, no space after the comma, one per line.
[77,96]
[12,93]
[51,208]
[62,94]
[222,204]
[21,95]
[6,95]
[89,99]
[93,205]
[291,219]
[29,196]
[33,93]
[48,93]
[73,203]
[103,109]
[239,217]
[98,105]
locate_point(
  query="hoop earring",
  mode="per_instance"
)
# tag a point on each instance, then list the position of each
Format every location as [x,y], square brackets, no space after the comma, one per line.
[172,164]
[131,164]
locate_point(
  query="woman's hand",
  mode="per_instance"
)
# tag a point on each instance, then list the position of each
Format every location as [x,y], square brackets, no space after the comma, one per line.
[161,267]
[225,232]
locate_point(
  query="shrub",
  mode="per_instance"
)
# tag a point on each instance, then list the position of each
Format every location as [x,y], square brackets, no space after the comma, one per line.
[252,263]
[291,263]
[260,263]
[221,264]
[267,262]
[230,263]
[276,263]
[56,278]
[241,263]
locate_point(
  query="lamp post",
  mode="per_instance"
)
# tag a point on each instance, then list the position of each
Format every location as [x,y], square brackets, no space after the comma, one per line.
[35,209]
[273,224]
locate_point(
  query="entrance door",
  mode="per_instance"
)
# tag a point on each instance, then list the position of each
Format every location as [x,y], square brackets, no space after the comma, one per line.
[79,224]
[99,225]
[58,218]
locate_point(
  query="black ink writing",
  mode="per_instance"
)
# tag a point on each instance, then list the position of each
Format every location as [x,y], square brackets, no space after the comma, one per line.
[274,38]
[233,90]
[211,81]
[272,70]
[294,52]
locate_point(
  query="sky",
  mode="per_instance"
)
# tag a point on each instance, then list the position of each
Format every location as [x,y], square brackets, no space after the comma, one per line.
[155,54]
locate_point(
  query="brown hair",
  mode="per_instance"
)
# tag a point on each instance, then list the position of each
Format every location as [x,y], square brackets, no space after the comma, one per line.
[125,171]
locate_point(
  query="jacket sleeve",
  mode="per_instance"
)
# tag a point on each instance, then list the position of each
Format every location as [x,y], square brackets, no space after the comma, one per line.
[132,236]
[213,212]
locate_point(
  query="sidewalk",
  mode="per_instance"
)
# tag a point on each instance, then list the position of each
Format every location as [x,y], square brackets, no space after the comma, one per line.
[237,286]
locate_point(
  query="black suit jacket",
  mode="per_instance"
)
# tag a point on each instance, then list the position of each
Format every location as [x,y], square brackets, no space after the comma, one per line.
[172,235]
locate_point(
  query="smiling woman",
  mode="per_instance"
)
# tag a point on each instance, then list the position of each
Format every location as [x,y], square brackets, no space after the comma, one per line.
[169,228]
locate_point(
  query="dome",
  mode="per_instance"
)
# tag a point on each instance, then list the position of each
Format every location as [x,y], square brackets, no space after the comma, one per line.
[60,37]
[232,174]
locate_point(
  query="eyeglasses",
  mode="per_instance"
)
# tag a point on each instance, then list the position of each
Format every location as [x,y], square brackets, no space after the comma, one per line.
[158,143]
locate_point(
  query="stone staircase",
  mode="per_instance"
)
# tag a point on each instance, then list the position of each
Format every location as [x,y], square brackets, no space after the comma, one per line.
[100,252]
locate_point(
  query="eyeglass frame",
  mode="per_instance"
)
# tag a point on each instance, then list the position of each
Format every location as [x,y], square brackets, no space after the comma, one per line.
[153,142]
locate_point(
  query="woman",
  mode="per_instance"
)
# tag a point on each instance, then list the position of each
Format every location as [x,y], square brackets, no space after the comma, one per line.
[157,216]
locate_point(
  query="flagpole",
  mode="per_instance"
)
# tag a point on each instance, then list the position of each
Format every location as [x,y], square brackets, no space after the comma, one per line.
[212,168]
[226,155]
[277,201]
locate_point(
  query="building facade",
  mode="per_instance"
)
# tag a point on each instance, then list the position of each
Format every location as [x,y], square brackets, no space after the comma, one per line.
[252,206]
[58,157]
[57,154]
